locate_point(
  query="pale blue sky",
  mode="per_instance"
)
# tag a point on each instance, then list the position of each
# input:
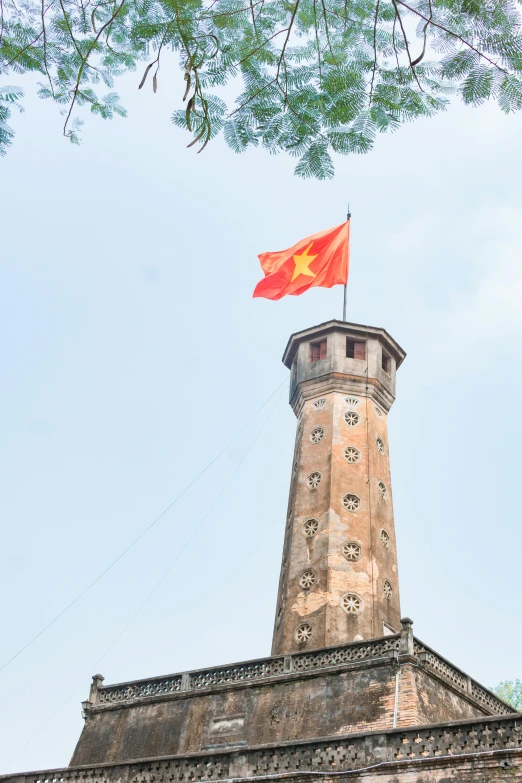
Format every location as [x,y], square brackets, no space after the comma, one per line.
[132,351]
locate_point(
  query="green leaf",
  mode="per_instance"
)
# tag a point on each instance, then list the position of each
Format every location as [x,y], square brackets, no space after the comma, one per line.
[308,79]
[316,162]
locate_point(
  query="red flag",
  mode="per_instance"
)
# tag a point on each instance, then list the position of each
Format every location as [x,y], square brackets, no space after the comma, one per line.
[320,259]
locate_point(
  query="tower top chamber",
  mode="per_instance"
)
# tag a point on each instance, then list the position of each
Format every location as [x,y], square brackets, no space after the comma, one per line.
[348,354]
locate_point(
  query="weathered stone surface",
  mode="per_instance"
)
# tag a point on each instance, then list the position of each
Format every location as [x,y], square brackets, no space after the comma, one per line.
[478,751]
[376,685]
[380,710]
[323,394]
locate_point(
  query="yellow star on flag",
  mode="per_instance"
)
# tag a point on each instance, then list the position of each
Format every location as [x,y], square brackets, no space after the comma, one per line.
[302,263]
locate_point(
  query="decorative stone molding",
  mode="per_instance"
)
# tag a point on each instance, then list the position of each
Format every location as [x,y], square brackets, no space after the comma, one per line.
[310,527]
[251,672]
[303,632]
[457,742]
[97,680]
[140,689]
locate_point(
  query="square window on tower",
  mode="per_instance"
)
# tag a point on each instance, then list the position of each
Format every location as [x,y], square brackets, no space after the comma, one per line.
[385,363]
[317,351]
[355,349]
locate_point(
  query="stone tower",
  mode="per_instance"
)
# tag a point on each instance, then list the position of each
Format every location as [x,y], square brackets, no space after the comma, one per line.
[339,578]
[355,709]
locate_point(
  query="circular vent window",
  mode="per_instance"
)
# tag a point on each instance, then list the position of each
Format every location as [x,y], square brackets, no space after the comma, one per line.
[317,435]
[351,550]
[351,502]
[351,603]
[303,632]
[313,480]
[352,418]
[351,454]
[307,579]
[310,527]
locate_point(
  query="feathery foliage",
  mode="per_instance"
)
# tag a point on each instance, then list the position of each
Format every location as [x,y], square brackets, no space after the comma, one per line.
[312,76]
[9,97]
[510,691]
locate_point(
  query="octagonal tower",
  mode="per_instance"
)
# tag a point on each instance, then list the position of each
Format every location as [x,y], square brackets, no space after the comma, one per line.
[339,578]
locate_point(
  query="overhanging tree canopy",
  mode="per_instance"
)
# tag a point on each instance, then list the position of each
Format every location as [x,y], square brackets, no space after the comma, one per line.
[313,75]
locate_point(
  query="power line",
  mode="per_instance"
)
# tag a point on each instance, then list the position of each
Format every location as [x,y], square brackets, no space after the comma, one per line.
[138,538]
[196,529]
[165,573]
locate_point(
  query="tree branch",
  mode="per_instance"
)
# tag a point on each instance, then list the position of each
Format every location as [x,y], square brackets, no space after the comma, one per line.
[261,46]
[421,55]
[454,35]
[406,44]
[292,20]
[45,49]
[21,51]
[327,31]
[84,62]
[317,43]
[253,20]
[2,22]
[251,98]
[374,51]
[394,43]
[73,39]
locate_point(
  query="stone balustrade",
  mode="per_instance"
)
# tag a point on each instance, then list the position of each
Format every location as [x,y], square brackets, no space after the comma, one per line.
[297,663]
[250,671]
[346,753]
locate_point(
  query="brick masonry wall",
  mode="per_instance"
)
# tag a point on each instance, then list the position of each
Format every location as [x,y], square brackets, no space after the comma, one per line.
[497,767]
[372,577]
[480,751]
[298,707]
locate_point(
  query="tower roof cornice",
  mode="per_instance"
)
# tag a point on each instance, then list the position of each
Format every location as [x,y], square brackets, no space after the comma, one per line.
[344,326]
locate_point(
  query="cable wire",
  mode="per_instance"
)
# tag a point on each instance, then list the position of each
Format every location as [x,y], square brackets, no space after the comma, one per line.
[196,529]
[165,573]
[138,538]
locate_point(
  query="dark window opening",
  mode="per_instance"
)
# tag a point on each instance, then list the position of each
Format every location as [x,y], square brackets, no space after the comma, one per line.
[355,349]
[386,363]
[318,351]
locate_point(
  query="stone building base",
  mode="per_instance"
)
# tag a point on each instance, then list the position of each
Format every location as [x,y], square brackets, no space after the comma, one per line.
[379,685]
[480,751]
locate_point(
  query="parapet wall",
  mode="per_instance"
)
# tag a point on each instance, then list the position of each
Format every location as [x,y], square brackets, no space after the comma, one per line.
[385,683]
[262,669]
[489,749]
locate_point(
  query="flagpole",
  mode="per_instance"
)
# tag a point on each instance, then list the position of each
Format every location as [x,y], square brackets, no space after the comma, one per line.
[348,216]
